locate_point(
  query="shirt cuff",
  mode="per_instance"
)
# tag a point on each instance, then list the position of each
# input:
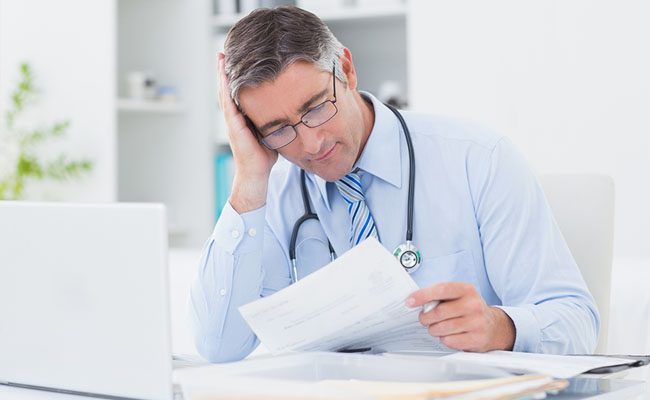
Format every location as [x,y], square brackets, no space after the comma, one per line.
[241,232]
[527,332]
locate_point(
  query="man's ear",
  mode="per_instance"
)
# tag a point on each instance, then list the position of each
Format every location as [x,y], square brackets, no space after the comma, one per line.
[348,68]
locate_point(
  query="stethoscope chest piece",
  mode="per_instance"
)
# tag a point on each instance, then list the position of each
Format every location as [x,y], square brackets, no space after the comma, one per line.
[409,256]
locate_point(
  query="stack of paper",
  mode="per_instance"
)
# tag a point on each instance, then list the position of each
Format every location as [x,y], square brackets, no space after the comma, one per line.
[251,388]
[501,388]
[356,302]
[547,364]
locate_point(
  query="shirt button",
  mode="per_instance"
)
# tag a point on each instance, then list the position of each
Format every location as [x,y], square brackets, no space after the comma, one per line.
[235,233]
[252,232]
[222,292]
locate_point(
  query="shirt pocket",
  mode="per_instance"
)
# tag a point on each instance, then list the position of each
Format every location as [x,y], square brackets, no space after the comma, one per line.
[455,267]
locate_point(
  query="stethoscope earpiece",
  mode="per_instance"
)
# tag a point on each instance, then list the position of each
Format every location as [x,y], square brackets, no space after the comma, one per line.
[408,256]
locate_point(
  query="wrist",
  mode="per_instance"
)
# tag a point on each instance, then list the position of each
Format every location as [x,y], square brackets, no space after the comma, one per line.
[505,334]
[248,194]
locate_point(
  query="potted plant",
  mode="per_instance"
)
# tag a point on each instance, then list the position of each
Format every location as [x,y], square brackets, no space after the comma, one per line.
[20,159]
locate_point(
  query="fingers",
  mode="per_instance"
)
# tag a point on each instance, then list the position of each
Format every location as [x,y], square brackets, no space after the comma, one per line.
[462,318]
[461,333]
[253,161]
[471,304]
[466,332]
[221,78]
[466,341]
[226,103]
[234,119]
[441,291]
[445,310]
[452,326]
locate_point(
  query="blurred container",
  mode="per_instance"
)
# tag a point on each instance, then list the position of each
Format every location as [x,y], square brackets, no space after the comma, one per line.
[141,85]
[167,94]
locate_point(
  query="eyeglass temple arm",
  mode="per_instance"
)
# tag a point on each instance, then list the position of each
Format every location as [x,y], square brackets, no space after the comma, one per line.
[334,79]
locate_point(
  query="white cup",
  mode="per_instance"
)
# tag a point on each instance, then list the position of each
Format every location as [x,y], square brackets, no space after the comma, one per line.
[141,85]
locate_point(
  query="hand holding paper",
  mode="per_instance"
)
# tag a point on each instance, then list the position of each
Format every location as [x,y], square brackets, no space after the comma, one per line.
[462,320]
[357,301]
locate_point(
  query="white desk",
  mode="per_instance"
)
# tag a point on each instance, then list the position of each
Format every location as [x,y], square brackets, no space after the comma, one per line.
[11,393]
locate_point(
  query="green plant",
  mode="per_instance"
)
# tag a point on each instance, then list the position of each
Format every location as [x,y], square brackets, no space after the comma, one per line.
[19,156]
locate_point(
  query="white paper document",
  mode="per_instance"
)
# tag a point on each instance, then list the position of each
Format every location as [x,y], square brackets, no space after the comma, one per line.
[547,364]
[357,301]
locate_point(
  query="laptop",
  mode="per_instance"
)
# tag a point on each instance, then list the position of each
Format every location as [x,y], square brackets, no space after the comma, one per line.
[84,299]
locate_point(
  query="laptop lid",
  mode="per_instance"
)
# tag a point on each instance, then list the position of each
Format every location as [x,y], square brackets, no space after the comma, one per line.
[84,298]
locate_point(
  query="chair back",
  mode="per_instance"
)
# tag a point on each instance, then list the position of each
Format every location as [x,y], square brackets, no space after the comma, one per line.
[583,206]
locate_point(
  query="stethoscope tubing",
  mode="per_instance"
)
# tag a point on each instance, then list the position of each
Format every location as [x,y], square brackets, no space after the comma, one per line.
[309,214]
[411,193]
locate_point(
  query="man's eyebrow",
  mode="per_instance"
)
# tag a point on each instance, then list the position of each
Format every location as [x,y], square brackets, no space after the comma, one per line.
[273,123]
[305,106]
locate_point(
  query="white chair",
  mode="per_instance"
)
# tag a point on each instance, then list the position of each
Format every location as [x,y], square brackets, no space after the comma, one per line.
[583,206]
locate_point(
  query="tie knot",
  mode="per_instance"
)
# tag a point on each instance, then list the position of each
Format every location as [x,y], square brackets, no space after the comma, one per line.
[362,224]
[350,187]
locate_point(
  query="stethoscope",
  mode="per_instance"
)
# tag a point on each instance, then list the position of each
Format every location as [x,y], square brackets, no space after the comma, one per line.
[407,254]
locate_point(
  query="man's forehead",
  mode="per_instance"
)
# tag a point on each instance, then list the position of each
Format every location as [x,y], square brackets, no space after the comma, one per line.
[283,96]
[295,75]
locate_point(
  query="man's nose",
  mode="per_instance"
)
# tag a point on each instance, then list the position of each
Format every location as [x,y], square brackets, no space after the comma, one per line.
[311,139]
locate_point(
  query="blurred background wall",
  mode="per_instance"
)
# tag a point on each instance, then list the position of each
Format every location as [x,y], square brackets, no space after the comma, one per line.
[567,81]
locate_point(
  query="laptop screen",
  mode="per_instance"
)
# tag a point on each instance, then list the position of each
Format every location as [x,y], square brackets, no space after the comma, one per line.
[84,298]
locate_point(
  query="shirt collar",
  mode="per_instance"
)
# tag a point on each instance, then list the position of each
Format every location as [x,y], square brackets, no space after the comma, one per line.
[383,144]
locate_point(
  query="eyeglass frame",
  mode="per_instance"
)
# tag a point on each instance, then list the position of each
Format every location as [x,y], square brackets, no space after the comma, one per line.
[262,139]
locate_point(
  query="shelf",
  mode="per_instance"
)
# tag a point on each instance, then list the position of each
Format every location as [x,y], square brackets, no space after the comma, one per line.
[352,14]
[148,106]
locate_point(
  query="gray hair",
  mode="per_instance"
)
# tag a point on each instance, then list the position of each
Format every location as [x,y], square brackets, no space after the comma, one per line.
[261,45]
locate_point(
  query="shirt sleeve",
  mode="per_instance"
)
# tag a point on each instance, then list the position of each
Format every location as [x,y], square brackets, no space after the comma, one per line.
[231,274]
[528,263]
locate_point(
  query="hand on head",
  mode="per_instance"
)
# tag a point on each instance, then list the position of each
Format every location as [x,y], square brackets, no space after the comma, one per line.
[253,161]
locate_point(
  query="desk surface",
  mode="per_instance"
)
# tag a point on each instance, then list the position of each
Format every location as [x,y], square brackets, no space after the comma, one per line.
[577,390]
[14,393]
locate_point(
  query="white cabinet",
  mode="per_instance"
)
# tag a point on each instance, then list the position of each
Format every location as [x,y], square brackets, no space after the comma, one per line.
[165,149]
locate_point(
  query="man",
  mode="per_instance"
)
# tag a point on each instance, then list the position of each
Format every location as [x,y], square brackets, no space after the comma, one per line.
[491,251]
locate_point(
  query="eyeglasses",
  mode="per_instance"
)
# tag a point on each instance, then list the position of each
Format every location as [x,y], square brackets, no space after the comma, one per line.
[314,117]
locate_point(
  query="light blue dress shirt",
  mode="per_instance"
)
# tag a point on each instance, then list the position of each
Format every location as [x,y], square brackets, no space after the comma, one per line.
[480,216]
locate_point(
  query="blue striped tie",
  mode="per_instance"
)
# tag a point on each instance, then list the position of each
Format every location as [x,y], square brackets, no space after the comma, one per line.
[362,224]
